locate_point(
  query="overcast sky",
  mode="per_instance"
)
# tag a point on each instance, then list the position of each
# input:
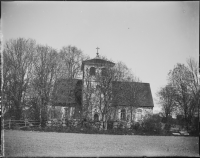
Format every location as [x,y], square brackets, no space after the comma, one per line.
[149,37]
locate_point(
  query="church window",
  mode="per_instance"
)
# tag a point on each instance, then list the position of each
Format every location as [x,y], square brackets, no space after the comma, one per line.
[66,112]
[104,72]
[72,110]
[92,71]
[96,117]
[139,110]
[123,114]
[139,114]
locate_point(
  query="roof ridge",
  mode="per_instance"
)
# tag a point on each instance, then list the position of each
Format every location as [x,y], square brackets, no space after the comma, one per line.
[131,82]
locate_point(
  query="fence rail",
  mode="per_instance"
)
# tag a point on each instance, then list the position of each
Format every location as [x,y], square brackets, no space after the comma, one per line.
[21,124]
[8,124]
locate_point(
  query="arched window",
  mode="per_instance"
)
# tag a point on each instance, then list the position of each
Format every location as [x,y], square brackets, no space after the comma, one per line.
[96,117]
[139,114]
[123,114]
[104,72]
[139,110]
[92,71]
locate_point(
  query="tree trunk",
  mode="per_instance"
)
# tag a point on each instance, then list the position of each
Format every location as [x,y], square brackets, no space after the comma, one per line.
[105,123]
[131,113]
[115,114]
[43,117]
[186,120]
[81,112]
[18,112]
[43,113]
[167,118]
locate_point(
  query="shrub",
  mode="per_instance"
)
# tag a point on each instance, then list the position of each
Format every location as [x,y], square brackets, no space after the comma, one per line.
[152,125]
[194,129]
[167,127]
[110,125]
[135,126]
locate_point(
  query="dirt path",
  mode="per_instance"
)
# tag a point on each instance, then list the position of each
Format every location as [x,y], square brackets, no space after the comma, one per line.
[26,143]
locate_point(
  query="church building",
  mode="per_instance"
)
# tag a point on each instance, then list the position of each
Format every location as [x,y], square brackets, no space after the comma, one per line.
[98,91]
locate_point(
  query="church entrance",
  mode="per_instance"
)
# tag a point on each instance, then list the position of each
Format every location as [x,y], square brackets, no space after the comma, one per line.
[96,117]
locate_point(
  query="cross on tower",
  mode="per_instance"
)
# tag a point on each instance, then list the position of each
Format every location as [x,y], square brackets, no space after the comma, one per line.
[97,52]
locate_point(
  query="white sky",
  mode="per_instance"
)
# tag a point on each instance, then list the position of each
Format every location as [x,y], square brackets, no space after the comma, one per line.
[149,37]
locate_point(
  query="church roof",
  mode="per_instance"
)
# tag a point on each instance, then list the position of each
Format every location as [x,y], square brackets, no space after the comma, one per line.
[97,61]
[64,92]
[135,93]
[124,93]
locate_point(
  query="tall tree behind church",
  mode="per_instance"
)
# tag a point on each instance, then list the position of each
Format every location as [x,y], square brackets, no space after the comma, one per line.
[17,70]
[45,74]
[120,72]
[104,91]
[70,62]
[167,100]
[127,87]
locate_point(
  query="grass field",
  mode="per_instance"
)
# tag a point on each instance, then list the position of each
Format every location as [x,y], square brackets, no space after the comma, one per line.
[27,143]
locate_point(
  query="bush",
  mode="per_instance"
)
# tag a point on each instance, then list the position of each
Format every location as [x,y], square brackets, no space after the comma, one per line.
[152,125]
[194,128]
[167,127]
[110,125]
[135,126]
[149,126]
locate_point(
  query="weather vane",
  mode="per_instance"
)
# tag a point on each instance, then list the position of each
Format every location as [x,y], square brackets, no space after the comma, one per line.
[97,52]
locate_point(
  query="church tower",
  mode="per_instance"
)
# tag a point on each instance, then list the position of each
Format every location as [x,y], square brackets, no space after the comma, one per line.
[93,69]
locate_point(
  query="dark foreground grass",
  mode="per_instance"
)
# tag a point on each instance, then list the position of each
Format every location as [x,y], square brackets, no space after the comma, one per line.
[33,143]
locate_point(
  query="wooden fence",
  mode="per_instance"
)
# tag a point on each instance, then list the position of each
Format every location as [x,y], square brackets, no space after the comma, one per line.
[20,124]
[9,124]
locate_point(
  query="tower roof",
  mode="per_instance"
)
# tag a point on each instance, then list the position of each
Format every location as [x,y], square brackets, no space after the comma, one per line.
[98,62]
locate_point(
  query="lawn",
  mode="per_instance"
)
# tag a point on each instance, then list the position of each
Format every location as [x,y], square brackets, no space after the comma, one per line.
[28,143]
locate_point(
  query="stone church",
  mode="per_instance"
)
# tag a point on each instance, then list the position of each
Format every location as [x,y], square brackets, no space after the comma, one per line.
[129,101]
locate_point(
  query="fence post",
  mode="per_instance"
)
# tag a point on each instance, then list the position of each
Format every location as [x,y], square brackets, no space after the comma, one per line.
[40,118]
[25,122]
[9,123]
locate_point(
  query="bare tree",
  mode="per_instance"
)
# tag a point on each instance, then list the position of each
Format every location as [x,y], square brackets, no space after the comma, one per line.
[104,80]
[45,74]
[127,87]
[194,80]
[122,72]
[97,89]
[88,90]
[167,100]
[101,86]
[71,59]
[69,65]
[17,69]
[180,79]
